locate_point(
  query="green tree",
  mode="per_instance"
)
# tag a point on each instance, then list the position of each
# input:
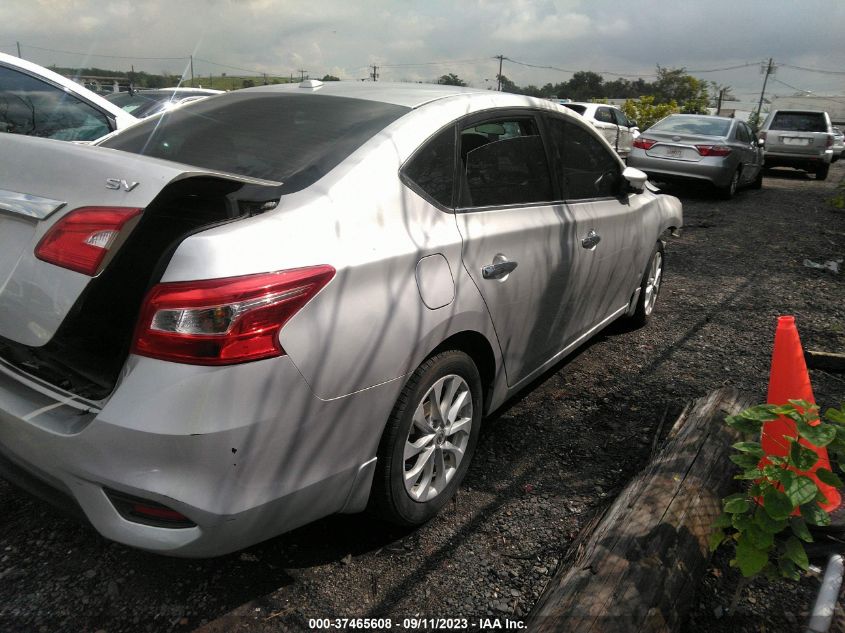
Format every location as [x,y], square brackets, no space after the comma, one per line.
[585,85]
[329,78]
[508,85]
[646,112]
[247,83]
[451,80]
[674,84]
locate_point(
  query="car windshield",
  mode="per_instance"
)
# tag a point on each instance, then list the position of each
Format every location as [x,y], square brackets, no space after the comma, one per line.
[705,126]
[799,122]
[290,138]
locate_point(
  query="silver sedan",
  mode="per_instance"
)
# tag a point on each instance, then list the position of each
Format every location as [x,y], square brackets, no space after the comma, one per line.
[689,147]
[259,309]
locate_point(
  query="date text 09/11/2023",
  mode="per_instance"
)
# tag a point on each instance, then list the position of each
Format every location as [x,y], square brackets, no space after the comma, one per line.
[416,624]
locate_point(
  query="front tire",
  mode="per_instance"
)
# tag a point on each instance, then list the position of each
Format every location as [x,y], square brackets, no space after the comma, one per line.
[429,440]
[821,171]
[649,287]
[757,183]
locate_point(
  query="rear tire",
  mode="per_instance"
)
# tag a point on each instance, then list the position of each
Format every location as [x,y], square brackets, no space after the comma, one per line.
[757,183]
[821,171]
[649,287]
[726,193]
[429,440]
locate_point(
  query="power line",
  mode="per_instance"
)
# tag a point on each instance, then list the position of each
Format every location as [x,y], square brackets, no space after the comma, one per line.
[246,70]
[809,92]
[55,50]
[816,70]
[441,63]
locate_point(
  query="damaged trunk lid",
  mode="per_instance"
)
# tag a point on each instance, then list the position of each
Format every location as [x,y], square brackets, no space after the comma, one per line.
[71,322]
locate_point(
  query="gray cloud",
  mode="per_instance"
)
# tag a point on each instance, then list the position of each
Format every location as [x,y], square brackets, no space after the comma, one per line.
[343,38]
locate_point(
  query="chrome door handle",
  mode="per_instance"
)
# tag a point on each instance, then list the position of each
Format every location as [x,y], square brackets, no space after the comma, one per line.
[591,240]
[498,270]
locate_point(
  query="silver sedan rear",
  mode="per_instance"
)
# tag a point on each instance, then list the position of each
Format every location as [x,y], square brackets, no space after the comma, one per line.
[285,302]
[685,147]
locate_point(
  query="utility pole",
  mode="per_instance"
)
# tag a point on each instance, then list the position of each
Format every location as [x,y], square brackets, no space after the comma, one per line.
[769,70]
[719,102]
[501,58]
[374,74]
[19,49]
[210,81]
[301,74]
[192,69]
[265,79]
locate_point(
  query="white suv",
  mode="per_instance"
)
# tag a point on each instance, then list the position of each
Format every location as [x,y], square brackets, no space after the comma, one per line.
[802,139]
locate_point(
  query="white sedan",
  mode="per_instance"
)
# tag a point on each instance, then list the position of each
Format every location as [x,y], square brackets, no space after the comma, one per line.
[39,102]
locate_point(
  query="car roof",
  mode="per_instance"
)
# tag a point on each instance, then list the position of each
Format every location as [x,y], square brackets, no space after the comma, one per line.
[591,104]
[123,117]
[410,95]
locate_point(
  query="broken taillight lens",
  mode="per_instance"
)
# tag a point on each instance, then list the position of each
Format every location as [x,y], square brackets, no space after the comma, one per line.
[81,240]
[224,321]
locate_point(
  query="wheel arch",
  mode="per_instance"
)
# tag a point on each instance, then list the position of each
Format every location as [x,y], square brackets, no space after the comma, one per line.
[478,348]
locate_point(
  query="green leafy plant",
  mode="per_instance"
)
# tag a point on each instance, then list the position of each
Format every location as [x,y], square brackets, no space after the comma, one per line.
[646,113]
[768,523]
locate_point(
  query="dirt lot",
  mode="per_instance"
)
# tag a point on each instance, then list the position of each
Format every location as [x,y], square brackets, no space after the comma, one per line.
[543,466]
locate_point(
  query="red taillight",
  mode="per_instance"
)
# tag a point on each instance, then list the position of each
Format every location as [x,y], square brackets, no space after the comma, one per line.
[762,136]
[644,143]
[159,512]
[224,321]
[713,150]
[829,140]
[81,240]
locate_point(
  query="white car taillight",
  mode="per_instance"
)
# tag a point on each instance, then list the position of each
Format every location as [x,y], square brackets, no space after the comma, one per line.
[224,321]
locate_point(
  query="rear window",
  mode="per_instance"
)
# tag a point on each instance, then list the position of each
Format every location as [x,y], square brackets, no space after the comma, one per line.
[578,108]
[707,126]
[290,138]
[799,122]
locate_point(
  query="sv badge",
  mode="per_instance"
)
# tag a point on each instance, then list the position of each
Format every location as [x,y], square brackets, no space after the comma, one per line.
[118,183]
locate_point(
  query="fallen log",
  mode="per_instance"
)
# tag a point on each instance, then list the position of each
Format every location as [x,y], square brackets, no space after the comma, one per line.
[636,566]
[827,361]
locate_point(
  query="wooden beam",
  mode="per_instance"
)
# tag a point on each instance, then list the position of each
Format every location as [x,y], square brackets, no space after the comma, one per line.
[636,566]
[827,361]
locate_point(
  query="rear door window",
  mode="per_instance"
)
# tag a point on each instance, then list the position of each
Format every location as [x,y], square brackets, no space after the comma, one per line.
[503,162]
[34,107]
[604,115]
[290,138]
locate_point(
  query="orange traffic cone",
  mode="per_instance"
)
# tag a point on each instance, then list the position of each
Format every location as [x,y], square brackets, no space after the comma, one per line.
[789,380]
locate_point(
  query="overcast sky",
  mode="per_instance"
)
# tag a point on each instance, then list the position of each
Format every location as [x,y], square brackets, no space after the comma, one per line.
[405,38]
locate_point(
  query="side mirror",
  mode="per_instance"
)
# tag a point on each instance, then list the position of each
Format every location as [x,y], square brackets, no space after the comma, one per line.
[636,178]
[632,123]
[761,142]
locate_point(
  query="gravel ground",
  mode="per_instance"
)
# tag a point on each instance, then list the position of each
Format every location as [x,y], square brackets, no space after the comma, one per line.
[544,465]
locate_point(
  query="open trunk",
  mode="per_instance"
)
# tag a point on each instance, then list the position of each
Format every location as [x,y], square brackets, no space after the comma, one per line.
[71,329]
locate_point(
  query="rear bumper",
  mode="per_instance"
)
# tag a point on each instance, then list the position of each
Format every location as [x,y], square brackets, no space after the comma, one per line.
[245,452]
[808,162]
[715,171]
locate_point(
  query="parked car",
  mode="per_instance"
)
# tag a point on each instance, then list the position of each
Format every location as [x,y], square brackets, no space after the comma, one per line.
[690,147]
[838,144]
[144,103]
[290,301]
[611,123]
[801,139]
[39,102]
